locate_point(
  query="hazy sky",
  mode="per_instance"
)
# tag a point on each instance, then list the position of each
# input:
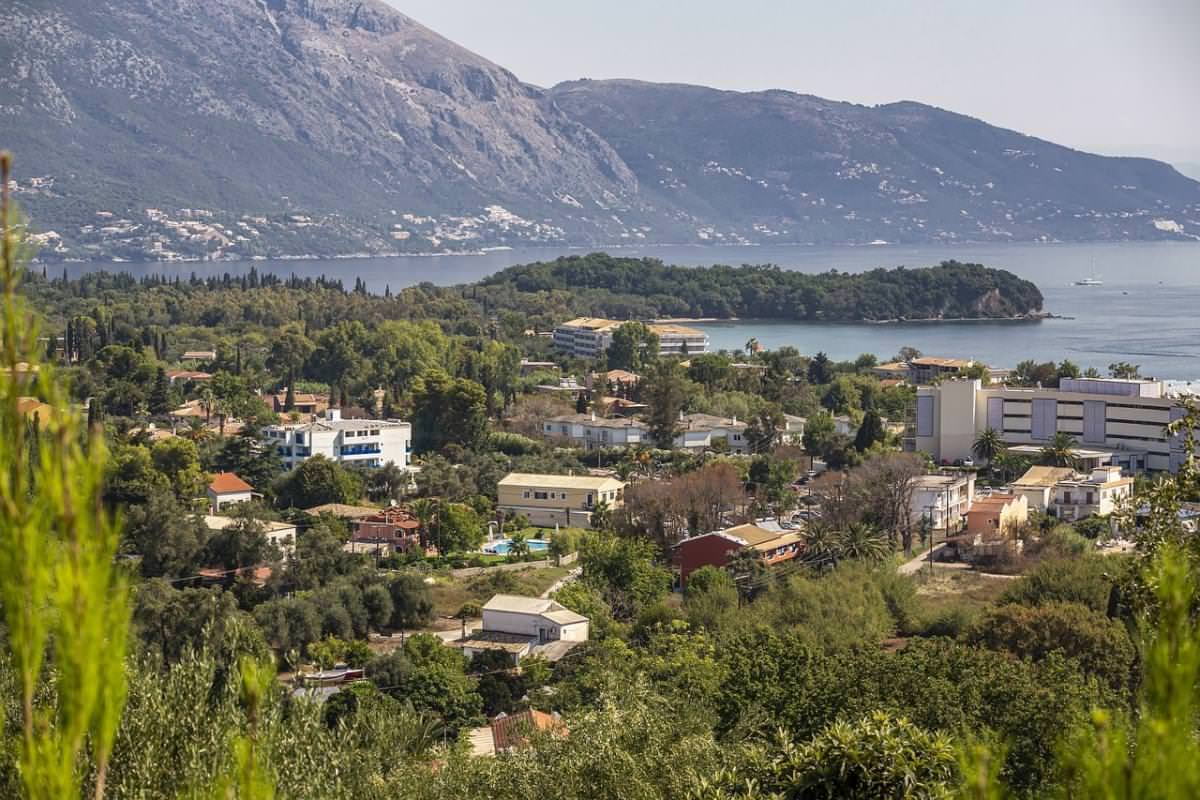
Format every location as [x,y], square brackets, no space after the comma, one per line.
[1102,75]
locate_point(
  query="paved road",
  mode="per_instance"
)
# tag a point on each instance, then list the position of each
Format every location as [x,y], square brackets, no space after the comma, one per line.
[920,562]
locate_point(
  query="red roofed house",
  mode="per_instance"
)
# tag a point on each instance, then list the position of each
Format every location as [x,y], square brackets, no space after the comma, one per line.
[715,549]
[393,527]
[226,489]
[508,732]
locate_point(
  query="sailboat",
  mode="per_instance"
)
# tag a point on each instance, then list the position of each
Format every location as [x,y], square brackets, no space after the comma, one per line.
[1092,281]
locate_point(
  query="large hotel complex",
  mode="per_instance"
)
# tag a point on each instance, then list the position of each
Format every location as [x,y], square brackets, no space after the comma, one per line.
[589,337]
[1120,422]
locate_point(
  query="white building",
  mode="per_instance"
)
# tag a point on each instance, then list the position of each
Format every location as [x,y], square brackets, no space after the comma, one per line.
[591,432]
[1125,420]
[589,337]
[227,489]
[520,626]
[703,431]
[283,534]
[1100,493]
[369,442]
[943,499]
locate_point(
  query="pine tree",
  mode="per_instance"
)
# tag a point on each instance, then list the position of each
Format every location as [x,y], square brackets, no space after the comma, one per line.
[160,394]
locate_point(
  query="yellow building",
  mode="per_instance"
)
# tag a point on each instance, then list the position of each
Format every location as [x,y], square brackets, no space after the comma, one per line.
[549,500]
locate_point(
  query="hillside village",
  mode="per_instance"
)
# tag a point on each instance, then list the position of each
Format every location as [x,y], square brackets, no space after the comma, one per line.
[402,508]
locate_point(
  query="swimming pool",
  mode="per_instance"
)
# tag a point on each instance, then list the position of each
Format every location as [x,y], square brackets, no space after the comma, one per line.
[501,547]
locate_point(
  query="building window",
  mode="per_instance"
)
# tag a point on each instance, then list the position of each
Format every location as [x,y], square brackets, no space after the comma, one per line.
[525,494]
[540,496]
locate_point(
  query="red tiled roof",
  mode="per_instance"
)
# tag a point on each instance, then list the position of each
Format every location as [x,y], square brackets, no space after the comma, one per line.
[227,482]
[509,732]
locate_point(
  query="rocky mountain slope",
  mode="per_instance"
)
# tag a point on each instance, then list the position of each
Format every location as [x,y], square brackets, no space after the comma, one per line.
[799,168]
[170,129]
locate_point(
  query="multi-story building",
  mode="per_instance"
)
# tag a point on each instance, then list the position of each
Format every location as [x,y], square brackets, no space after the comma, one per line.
[1121,422]
[1037,485]
[547,500]
[591,432]
[589,337]
[369,442]
[944,500]
[1100,493]
[998,515]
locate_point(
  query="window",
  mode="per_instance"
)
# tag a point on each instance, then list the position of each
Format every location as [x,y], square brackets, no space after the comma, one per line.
[1091,499]
[525,494]
[541,496]
[925,415]
[299,437]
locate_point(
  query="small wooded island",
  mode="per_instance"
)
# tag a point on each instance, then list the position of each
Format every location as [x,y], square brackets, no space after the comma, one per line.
[603,285]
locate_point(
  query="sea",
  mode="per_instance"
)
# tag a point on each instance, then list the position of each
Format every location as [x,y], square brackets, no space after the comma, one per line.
[1147,312]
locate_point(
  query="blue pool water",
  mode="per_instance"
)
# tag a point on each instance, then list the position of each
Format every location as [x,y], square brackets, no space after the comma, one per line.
[501,547]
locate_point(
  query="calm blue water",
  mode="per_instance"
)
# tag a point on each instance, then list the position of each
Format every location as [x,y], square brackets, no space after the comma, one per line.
[1147,312]
[501,547]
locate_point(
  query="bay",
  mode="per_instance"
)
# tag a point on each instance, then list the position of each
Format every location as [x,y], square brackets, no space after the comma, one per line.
[1147,312]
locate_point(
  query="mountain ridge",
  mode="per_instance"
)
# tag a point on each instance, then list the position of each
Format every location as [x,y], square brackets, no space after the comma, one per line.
[156,129]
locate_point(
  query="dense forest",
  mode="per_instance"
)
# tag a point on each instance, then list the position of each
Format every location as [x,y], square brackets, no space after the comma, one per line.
[630,288]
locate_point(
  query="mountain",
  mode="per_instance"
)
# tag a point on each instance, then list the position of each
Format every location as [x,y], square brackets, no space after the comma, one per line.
[794,167]
[169,129]
[284,120]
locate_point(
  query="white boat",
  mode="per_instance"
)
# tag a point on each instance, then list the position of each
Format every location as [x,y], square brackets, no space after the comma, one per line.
[1092,281]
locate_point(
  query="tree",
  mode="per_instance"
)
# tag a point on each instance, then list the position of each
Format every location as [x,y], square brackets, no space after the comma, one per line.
[241,544]
[459,529]
[250,457]
[1059,452]
[318,480]
[882,488]
[337,355]
[633,347]
[665,392]
[880,755]
[711,599]
[447,411]
[412,603]
[988,446]
[869,432]
[290,350]
[178,460]
[819,432]
[763,431]
[861,541]
[1124,370]
[820,369]
[159,401]
[1100,645]
[168,538]
[388,482]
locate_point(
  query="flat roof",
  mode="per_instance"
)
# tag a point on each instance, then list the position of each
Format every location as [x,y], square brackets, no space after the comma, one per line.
[599,422]
[558,481]
[927,481]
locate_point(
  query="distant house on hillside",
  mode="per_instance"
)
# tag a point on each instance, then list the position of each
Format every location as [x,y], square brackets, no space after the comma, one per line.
[507,732]
[549,500]
[520,626]
[227,489]
[1037,485]
[717,548]
[199,355]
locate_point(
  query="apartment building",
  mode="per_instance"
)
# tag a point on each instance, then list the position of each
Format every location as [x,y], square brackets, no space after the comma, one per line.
[1100,493]
[1119,422]
[548,500]
[369,442]
[591,432]
[944,500]
[589,337]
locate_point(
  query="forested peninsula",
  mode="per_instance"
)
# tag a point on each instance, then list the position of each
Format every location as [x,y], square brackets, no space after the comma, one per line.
[643,288]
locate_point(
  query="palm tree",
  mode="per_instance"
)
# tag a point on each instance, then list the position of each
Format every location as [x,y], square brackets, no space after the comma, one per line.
[822,544]
[425,509]
[863,542]
[988,446]
[1060,452]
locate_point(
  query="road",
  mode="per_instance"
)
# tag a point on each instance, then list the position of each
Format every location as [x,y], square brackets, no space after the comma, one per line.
[920,562]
